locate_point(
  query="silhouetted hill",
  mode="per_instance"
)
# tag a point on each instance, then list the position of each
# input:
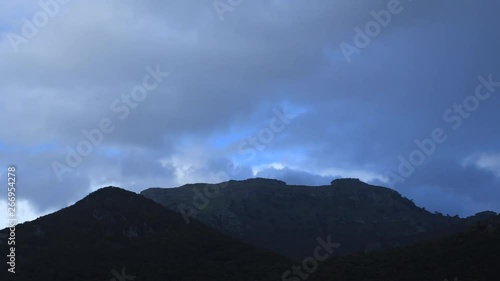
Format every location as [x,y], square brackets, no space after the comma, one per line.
[287,219]
[467,256]
[113,229]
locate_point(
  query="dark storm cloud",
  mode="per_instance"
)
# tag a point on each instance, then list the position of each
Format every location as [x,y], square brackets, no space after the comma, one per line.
[227,76]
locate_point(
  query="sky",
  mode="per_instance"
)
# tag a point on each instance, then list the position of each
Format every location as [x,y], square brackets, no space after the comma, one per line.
[161,93]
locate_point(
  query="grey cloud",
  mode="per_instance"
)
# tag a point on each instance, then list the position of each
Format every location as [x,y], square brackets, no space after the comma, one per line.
[225,74]
[295,177]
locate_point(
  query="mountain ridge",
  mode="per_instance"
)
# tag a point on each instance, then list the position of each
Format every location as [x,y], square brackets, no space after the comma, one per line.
[267,213]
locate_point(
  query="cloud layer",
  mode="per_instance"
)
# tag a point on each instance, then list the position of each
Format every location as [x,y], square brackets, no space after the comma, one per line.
[212,117]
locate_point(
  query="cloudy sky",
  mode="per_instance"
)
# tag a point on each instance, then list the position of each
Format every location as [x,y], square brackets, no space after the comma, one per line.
[162,93]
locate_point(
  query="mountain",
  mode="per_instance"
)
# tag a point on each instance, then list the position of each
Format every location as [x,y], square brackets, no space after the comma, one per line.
[468,256]
[113,234]
[288,219]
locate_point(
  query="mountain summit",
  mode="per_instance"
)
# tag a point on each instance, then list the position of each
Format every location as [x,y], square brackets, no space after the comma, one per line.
[114,232]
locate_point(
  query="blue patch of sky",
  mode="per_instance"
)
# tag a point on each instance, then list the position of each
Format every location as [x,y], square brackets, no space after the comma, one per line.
[335,55]
[112,152]
[9,147]
[44,147]
[260,120]
[223,140]
[36,148]
[3,146]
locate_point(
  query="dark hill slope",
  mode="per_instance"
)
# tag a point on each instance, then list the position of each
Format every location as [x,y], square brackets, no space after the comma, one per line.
[114,229]
[467,256]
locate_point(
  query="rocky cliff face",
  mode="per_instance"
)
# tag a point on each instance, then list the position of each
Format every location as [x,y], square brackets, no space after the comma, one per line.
[288,219]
